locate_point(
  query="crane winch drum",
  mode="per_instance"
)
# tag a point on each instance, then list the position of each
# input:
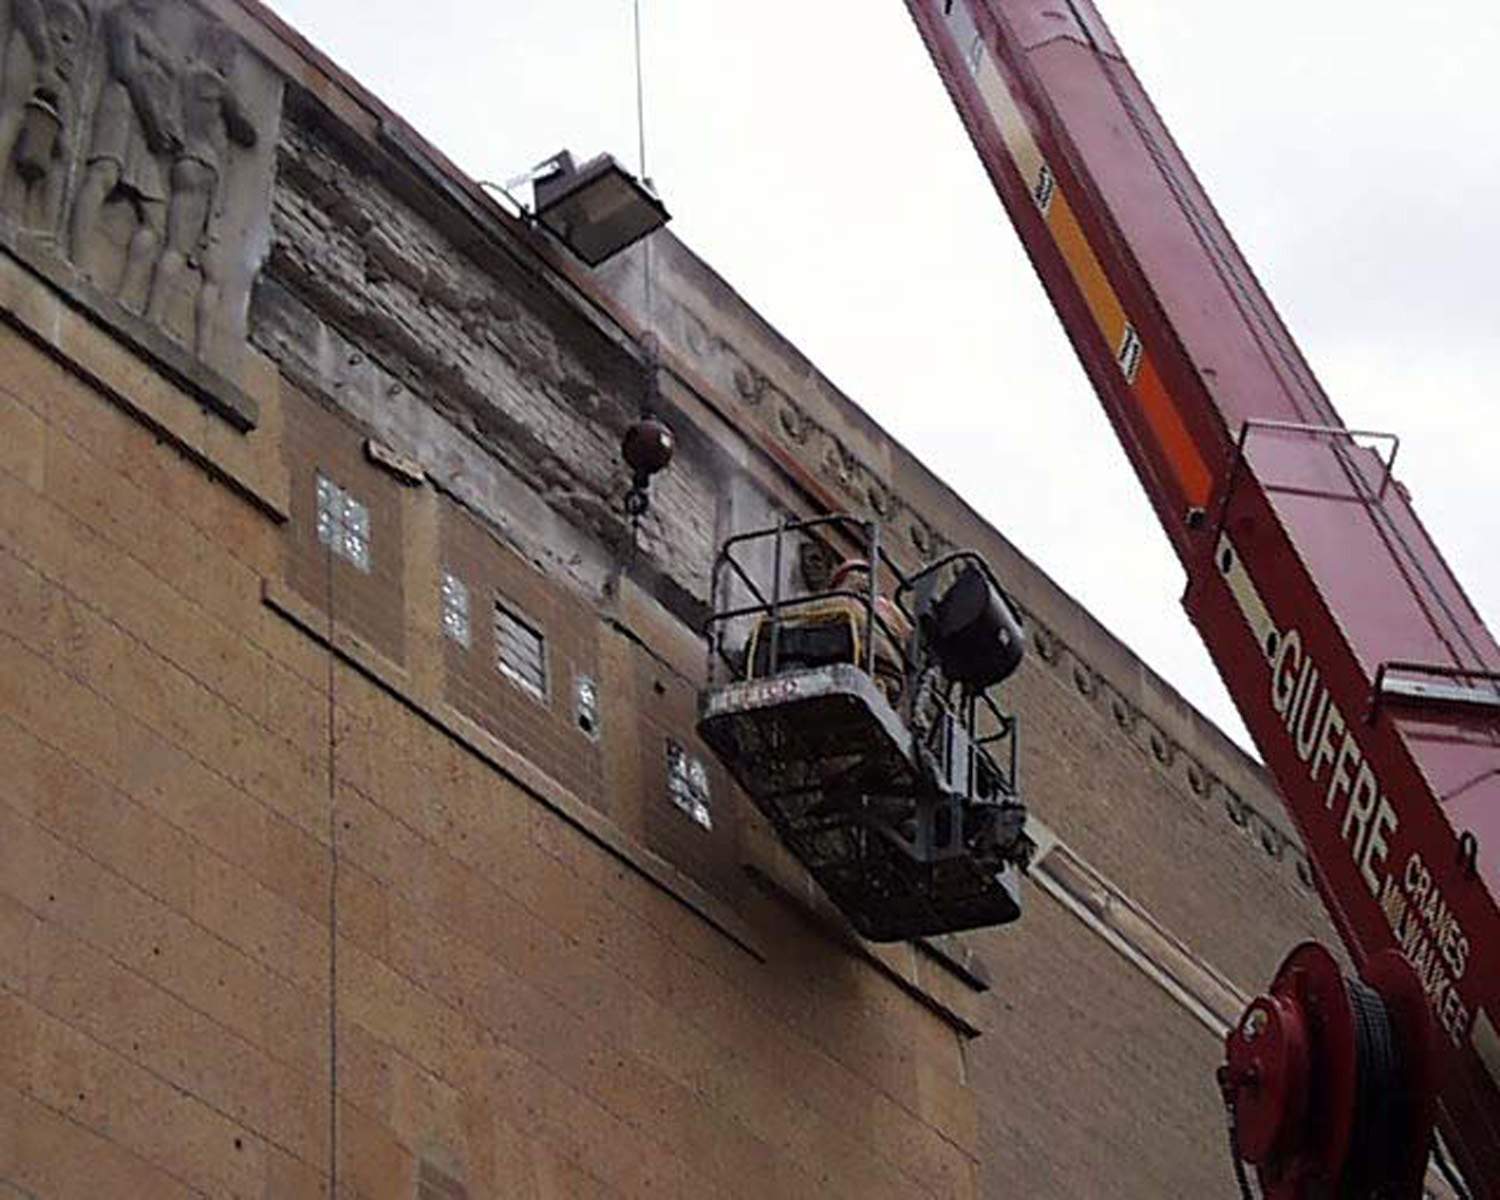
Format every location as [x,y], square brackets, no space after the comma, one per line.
[1329,1080]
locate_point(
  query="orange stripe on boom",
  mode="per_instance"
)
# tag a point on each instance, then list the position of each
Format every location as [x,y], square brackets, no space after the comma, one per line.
[1172,434]
[1089,276]
[1088,272]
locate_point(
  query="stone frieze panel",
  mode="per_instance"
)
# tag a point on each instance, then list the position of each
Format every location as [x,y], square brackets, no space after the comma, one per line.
[137,154]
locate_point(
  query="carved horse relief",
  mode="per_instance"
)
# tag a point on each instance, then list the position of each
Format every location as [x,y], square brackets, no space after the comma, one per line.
[137,144]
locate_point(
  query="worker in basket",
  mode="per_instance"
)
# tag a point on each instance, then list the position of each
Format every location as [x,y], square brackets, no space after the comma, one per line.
[832,629]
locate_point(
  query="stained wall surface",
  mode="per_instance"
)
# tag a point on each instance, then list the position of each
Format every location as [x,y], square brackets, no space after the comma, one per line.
[302,894]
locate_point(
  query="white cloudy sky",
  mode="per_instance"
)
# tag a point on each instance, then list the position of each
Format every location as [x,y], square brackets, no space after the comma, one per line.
[809,153]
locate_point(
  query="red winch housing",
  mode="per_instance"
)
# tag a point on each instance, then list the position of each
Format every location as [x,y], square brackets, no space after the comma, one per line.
[1330,1080]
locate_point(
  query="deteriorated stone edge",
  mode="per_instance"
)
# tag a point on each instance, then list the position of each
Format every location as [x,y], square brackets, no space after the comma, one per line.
[93,350]
[214,391]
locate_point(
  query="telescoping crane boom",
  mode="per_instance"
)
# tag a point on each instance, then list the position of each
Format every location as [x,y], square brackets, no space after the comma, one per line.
[1366,677]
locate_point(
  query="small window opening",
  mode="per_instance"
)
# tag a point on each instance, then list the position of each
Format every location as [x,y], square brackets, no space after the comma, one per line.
[520,651]
[687,784]
[586,705]
[343,524]
[456,624]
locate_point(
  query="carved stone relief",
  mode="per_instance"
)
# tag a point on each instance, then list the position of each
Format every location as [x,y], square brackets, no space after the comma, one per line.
[815,562]
[40,79]
[1170,756]
[137,145]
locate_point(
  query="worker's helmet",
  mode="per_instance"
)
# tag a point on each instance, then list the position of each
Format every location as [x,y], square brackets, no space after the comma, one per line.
[853,575]
[850,566]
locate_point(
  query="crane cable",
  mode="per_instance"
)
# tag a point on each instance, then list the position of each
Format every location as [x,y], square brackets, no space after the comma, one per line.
[1379,1113]
[1440,1157]
[640,94]
[1231,1122]
[649,339]
[636,501]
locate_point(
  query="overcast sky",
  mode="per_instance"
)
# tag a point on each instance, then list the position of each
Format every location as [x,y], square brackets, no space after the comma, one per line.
[810,155]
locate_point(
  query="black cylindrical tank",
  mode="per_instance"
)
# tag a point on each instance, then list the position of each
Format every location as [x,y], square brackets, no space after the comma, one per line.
[975,633]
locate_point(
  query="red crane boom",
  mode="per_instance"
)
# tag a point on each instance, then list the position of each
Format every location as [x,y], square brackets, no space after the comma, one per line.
[1365,675]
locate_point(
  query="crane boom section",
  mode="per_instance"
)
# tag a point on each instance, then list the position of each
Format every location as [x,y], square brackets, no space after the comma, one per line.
[1367,678]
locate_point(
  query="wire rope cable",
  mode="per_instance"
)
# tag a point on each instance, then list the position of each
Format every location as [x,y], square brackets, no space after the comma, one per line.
[640,94]
[1379,1110]
[1448,1171]
[1232,1127]
[640,133]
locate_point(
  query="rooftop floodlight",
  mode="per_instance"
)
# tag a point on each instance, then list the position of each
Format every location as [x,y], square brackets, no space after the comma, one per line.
[598,209]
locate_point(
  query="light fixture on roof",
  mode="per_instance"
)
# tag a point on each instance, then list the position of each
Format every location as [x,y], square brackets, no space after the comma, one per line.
[596,210]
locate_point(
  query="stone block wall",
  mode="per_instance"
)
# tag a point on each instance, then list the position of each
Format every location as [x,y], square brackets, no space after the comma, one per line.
[244,946]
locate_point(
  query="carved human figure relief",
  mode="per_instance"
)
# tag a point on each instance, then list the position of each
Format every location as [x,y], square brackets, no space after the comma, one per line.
[137,156]
[213,117]
[135,134]
[41,66]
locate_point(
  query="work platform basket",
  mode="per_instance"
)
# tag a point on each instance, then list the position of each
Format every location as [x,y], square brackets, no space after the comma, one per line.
[857,713]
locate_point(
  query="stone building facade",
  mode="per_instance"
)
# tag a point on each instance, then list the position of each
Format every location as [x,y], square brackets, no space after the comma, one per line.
[339,711]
